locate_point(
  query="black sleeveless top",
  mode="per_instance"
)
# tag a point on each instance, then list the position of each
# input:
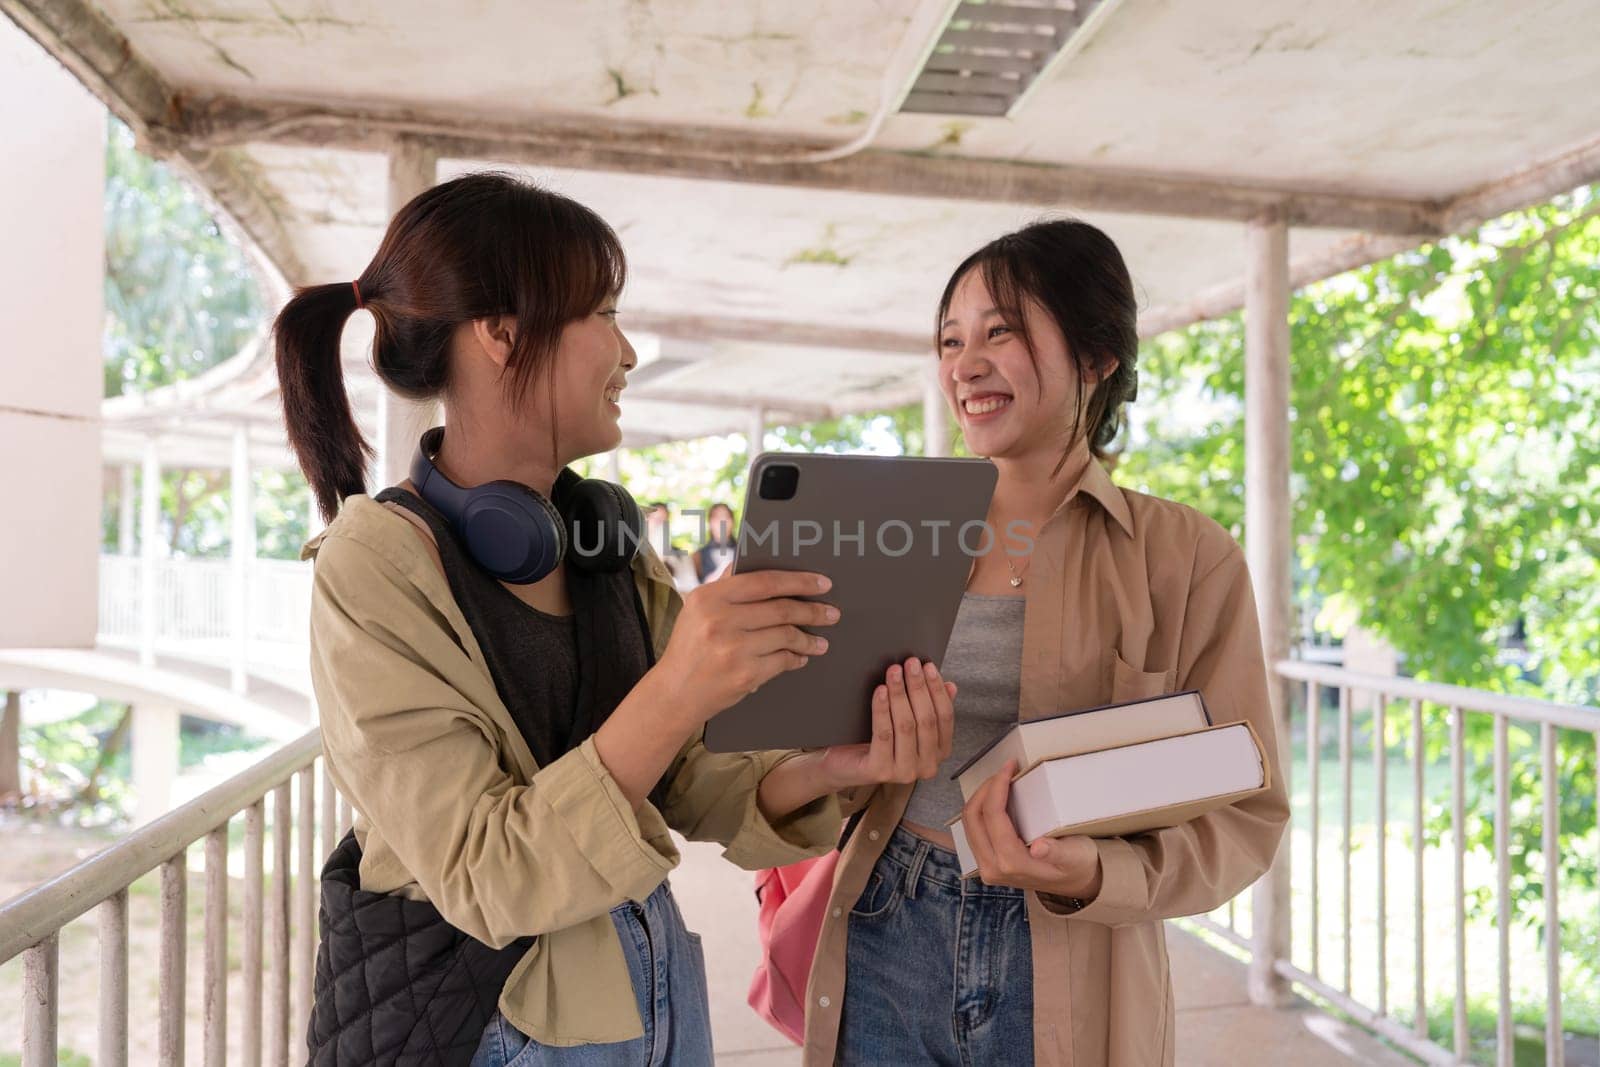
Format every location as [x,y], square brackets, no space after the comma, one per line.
[559,676]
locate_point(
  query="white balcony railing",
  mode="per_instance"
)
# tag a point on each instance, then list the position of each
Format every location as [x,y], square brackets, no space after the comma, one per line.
[194,609]
[1386,876]
[1379,918]
[277,932]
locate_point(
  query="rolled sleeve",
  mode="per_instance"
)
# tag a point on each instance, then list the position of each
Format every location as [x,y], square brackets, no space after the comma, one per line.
[1123,895]
[801,834]
[713,796]
[616,842]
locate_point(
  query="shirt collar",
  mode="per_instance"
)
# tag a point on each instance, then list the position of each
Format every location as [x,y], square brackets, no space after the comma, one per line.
[1095,482]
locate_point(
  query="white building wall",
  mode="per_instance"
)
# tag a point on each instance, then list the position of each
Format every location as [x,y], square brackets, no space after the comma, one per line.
[52,264]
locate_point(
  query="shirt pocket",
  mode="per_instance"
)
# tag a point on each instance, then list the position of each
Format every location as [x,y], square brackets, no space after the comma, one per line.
[1130,683]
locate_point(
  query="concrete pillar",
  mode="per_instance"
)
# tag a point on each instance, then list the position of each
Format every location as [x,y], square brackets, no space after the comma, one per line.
[413,169]
[1267,548]
[149,550]
[127,512]
[756,434]
[241,556]
[935,416]
[52,376]
[11,745]
[1367,653]
[155,760]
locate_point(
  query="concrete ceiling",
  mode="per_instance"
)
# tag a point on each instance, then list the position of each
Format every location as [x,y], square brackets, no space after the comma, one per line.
[694,127]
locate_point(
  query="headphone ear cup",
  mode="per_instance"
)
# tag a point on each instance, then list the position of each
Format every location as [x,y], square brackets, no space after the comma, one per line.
[607,525]
[512,532]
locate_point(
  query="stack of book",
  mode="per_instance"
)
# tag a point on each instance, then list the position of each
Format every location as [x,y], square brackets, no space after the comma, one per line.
[1119,769]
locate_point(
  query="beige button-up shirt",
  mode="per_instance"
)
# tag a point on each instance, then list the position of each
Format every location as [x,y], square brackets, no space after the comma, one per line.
[1128,596]
[453,809]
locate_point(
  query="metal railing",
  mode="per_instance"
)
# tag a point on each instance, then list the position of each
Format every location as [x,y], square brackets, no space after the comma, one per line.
[1369,999]
[283,909]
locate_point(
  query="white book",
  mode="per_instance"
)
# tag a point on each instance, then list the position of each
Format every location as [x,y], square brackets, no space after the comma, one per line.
[1087,730]
[1131,789]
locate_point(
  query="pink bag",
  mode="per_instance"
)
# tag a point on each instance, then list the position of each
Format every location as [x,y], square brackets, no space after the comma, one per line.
[794,901]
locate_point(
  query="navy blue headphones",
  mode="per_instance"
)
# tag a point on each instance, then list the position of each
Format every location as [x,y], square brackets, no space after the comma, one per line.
[520,537]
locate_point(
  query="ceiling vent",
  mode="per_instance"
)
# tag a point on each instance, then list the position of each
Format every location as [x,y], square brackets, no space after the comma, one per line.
[991,54]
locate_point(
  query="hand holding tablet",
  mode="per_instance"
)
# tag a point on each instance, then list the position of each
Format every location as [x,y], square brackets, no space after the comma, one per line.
[896,536]
[737,633]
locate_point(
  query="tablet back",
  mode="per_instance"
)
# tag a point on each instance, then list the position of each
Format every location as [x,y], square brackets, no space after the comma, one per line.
[890,533]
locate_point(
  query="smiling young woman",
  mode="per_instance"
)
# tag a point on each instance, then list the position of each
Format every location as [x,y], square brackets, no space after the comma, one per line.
[517,741]
[1054,952]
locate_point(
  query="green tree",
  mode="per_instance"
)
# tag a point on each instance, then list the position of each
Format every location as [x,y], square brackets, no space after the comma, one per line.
[180,293]
[1446,457]
[1445,445]
[181,296]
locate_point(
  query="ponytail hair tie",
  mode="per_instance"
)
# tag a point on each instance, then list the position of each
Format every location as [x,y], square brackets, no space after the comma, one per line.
[357,287]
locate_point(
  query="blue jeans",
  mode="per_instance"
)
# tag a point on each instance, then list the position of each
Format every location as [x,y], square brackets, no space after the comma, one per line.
[938,970]
[668,968]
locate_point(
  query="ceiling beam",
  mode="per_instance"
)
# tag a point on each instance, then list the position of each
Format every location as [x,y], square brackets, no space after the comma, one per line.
[732,401]
[1227,298]
[590,143]
[762,331]
[1534,184]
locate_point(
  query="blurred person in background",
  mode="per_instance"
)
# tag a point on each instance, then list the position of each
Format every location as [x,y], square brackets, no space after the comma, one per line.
[658,531]
[714,557]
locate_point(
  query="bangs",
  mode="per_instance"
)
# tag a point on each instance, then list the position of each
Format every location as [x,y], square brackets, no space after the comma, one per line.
[1012,287]
[570,264]
[596,268]
[1005,274]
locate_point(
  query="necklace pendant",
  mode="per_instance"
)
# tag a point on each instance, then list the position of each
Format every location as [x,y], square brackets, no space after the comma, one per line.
[1015,582]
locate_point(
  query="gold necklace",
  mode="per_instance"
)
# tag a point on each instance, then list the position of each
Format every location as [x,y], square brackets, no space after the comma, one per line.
[1016,579]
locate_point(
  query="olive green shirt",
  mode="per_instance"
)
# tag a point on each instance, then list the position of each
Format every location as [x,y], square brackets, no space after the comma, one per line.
[452,808]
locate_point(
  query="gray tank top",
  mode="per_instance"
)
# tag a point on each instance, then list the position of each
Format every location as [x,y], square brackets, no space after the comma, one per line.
[985,661]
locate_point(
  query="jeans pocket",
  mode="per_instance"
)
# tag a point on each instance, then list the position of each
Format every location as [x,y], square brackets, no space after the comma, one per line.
[503,1045]
[880,897]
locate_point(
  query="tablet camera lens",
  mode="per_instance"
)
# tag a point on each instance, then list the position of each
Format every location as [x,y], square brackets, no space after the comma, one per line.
[779,481]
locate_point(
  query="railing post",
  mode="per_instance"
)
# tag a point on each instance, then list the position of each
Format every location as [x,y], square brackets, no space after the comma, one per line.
[216,959]
[1555,1050]
[41,967]
[278,911]
[1267,542]
[173,983]
[254,832]
[113,918]
[305,936]
[1504,1024]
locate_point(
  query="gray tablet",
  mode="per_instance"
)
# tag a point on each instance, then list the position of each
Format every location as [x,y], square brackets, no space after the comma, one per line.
[897,535]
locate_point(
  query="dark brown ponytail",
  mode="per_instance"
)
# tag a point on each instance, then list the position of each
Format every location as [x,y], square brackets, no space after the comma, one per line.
[316,408]
[471,248]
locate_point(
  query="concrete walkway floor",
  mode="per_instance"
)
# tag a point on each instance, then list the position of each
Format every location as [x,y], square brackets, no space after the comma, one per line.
[1217,1024]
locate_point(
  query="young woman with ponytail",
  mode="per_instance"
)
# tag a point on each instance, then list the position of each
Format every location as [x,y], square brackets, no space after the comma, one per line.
[518,750]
